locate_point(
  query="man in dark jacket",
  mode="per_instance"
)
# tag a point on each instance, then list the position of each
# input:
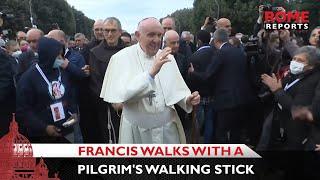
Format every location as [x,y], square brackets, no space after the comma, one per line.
[45,100]
[232,92]
[96,40]
[7,90]
[30,57]
[75,66]
[200,60]
[84,99]
[99,59]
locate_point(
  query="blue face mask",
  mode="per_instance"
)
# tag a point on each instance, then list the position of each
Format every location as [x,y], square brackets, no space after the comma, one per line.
[58,62]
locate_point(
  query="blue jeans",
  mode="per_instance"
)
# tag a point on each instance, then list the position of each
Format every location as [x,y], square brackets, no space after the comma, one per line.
[205,119]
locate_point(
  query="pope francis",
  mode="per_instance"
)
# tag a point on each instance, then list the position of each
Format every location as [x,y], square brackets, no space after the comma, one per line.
[148,83]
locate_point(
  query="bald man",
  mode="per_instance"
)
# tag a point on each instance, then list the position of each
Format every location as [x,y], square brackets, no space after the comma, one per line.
[168,23]
[77,67]
[33,36]
[225,24]
[98,29]
[98,37]
[30,57]
[171,39]
[21,36]
[147,82]
[58,35]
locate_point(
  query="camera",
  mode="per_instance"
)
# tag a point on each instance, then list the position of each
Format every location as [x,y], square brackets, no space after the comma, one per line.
[251,46]
[269,7]
[6,16]
[55,26]
[211,21]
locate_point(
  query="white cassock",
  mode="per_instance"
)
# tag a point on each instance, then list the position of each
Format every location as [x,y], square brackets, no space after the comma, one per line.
[148,115]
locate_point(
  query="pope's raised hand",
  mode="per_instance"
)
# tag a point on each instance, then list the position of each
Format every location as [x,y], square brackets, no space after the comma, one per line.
[161,59]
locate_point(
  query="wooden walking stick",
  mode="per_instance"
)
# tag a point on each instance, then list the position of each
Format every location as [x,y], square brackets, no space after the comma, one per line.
[195,134]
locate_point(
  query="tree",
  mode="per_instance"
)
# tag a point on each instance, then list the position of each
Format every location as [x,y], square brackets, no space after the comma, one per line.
[49,12]
[241,13]
[313,7]
[183,19]
[19,10]
[45,13]
[83,23]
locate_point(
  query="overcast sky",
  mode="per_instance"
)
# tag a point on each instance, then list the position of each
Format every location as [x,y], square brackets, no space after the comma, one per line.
[130,12]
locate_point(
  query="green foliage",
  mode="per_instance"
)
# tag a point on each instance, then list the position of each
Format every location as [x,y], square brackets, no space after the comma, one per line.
[19,10]
[83,23]
[183,19]
[57,11]
[242,13]
[313,7]
[45,13]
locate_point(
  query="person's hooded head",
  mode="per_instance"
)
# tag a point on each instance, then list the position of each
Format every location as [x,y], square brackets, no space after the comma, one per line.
[50,54]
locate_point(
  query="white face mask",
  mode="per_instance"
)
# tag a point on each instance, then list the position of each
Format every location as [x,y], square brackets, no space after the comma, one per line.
[296,67]
[58,62]
[16,54]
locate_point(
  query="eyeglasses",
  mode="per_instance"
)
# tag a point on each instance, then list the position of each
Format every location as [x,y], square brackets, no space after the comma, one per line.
[98,29]
[106,31]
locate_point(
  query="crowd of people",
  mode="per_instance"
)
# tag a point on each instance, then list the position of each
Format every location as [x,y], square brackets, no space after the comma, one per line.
[156,86]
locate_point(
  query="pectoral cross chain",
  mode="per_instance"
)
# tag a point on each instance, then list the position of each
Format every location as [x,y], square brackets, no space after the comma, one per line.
[151,96]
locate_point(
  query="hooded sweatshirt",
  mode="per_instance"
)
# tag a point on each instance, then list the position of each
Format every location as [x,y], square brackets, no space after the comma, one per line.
[33,93]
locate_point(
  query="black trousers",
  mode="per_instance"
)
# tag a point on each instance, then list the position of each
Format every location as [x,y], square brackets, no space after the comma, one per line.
[88,118]
[5,119]
[94,121]
[185,121]
[229,125]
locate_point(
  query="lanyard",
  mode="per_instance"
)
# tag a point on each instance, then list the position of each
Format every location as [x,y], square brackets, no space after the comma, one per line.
[47,81]
[291,84]
[204,47]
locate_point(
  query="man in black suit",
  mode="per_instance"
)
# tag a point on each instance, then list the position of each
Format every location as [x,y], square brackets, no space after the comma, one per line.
[8,69]
[200,60]
[95,41]
[232,92]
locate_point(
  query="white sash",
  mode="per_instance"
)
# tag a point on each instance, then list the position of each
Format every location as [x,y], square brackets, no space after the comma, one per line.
[47,81]
[291,84]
